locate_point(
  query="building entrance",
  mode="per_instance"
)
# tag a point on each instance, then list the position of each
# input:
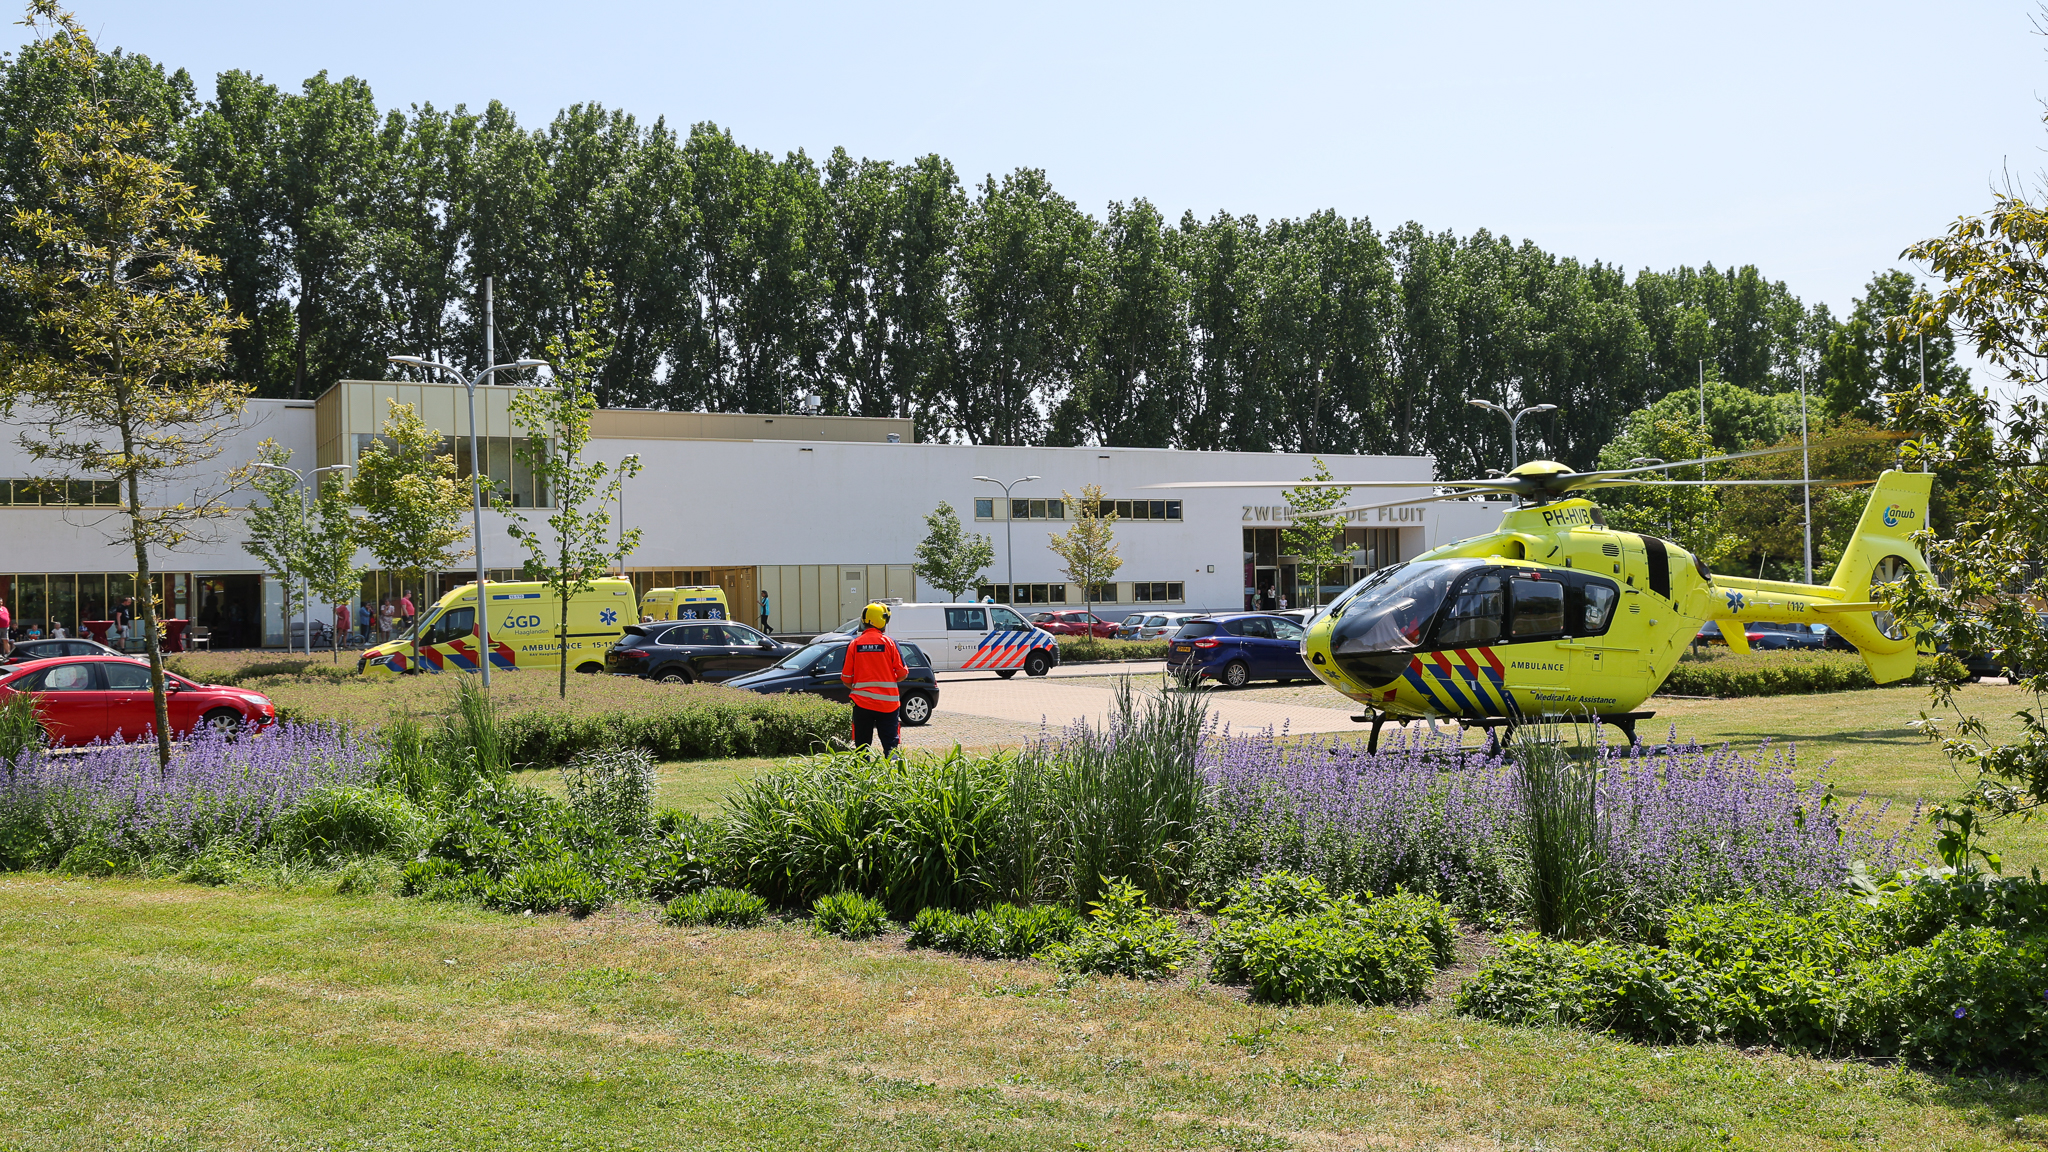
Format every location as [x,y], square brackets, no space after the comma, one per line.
[230,608]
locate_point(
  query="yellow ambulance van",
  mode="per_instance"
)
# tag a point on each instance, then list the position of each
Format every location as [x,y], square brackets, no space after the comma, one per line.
[524,636]
[705,602]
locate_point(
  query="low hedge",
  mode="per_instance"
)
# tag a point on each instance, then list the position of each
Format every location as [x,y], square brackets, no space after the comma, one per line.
[1835,976]
[697,724]
[1090,649]
[1778,674]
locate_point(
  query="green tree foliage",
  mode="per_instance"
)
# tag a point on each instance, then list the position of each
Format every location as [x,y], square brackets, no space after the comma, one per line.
[414,518]
[948,558]
[280,525]
[300,541]
[113,375]
[580,545]
[1871,355]
[995,312]
[1087,551]
[1316,538]
[1994,269]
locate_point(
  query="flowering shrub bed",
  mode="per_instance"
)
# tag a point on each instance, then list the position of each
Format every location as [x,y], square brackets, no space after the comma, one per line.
[110,805]
[1423,814]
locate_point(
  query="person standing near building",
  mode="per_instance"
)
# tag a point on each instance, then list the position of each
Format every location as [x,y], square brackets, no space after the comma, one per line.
[340,621]
[387,615]
[872,670]
[124,617]
[6,630]
[405,612]
[764,610]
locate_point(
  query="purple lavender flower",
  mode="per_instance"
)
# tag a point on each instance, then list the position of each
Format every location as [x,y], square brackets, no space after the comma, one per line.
[215,787]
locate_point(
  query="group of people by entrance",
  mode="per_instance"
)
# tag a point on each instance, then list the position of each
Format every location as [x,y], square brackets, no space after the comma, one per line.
[125,634]
[391,618]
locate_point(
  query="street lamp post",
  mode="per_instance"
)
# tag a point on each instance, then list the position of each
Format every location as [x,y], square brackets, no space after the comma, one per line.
[1009,549]
[1514,426]
[305,587]
[476,486]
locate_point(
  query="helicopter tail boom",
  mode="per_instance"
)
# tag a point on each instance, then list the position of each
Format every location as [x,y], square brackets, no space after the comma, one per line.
[1881,551]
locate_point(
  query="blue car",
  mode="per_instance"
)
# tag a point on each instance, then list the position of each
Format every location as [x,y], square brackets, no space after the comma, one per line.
[1237,648]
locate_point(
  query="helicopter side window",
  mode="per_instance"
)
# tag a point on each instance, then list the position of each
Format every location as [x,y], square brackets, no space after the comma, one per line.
[1538,608]
[1474,615]
[1593,608]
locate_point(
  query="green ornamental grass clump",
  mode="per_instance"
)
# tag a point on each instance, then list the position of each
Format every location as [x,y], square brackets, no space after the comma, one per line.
[1124,937]
[1004,932]
[557,883]
[716,907]
[849,915]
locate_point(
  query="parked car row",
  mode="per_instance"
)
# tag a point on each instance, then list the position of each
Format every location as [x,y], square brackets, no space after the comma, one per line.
[85,698]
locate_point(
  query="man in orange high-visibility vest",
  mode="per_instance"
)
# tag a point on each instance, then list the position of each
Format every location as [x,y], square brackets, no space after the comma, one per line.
[872,670]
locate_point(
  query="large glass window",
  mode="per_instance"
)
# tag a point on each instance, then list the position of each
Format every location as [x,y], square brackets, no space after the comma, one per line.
[1475,613]
[966,620]
[1538,608]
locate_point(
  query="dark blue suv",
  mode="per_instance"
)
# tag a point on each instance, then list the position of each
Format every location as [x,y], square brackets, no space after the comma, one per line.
[1237,648]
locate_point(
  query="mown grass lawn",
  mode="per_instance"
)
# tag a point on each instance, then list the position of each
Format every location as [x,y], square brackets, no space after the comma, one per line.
[153,1013]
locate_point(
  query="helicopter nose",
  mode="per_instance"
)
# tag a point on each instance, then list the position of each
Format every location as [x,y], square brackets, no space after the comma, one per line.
[1364,646]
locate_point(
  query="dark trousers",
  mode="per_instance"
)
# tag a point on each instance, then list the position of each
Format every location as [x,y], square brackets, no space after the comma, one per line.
[869,723]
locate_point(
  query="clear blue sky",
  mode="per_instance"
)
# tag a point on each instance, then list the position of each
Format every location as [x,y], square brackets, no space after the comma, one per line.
[1814,140]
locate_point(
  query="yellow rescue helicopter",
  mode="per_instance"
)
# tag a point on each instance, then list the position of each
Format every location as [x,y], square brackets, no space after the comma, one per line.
[1558,614]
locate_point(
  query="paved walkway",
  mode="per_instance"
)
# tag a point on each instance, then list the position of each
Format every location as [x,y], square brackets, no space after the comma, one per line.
[1088,692]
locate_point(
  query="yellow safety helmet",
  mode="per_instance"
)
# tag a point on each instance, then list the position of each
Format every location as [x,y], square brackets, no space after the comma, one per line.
[875,615]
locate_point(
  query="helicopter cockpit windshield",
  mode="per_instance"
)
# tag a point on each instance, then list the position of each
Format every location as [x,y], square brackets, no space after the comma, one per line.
[1387,616]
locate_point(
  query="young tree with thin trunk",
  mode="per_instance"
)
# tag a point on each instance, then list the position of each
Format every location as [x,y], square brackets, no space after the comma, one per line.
[116,380]
[414,513]
[1314,538]
[1088,549]
[949,559]
[279,527]
[580,545]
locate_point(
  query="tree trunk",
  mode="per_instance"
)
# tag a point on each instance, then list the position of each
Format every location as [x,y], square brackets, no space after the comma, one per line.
[147,601]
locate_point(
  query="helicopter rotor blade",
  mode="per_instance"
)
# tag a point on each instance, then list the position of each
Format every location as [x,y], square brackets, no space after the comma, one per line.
[1504,485]
[1350,508]
[1578,479]
[1816,482]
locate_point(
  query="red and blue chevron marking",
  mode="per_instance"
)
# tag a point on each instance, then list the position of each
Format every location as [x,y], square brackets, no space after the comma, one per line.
[1007,649]
[1455,683]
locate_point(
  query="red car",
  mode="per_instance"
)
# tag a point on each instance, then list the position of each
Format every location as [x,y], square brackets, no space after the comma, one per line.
[87,698]
[1075,623]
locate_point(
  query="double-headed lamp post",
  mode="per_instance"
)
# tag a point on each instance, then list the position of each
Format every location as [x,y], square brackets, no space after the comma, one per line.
[1514,426]
[305,587]
[476,486]
[1009,550]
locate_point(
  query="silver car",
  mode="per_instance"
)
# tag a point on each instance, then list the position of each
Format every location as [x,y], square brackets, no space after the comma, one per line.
[1154,625]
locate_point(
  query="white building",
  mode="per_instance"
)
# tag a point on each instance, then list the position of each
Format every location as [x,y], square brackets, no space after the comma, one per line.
[822,513]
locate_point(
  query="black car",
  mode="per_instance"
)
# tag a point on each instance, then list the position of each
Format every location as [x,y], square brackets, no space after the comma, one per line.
[1769,637]
[27,650]
[693,651]
[815,669]
[1982,664]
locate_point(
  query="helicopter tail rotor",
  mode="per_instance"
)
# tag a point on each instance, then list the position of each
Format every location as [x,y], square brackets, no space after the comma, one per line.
[1881,552]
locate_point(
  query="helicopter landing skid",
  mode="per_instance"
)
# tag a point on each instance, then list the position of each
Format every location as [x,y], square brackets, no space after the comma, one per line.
[1625,721]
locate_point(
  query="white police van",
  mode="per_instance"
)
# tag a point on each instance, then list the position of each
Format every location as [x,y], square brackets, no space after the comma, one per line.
[967,637]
